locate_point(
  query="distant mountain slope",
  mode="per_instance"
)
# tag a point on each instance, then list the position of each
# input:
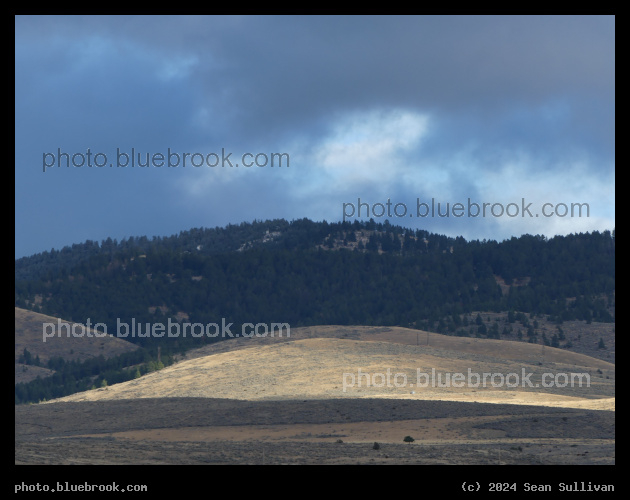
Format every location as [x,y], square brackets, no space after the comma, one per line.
[307,273]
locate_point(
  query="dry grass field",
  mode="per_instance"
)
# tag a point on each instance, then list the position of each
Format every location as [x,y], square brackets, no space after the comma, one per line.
[192,431]
[287,401]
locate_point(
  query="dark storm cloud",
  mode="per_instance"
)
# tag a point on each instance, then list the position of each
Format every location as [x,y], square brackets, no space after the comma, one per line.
[284,71]
[487,101]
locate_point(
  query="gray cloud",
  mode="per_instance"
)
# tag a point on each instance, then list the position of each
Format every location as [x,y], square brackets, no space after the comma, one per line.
[532,91]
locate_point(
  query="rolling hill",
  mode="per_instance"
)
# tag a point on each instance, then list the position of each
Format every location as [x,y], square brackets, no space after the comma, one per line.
[327,362]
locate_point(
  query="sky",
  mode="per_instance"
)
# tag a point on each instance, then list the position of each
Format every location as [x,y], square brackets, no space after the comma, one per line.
[485,127]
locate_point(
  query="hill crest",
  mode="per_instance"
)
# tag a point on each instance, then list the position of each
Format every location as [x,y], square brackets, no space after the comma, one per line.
[323,367]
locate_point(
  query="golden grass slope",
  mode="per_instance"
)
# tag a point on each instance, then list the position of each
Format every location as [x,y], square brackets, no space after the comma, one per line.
[310,367]
[503,349]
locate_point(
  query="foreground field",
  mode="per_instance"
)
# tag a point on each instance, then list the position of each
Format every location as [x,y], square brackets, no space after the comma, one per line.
[342,431]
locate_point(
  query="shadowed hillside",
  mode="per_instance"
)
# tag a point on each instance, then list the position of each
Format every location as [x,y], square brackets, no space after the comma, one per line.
[63,342]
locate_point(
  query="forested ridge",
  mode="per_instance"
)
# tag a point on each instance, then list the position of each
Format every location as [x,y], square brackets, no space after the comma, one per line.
[315,273]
